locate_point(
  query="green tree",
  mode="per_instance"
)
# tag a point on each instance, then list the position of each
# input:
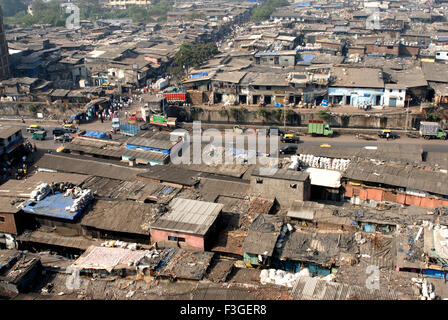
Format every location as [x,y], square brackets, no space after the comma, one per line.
[12,7]
[264,12]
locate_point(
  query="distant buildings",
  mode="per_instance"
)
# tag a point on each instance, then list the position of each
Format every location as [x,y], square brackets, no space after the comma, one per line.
[125,4]
[4,54]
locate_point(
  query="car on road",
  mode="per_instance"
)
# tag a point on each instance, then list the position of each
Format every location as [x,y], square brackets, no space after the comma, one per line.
[33,128]
[59,132]
[292,149]
[290,138]
[384,133]
[70,128]
[280,132]
[325,145]
[64,138]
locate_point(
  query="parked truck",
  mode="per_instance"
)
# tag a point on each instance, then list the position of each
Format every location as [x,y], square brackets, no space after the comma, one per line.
[129,129]
[432,130]
[175,97]
[318,127]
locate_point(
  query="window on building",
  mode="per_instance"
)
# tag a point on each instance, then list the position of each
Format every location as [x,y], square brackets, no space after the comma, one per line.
[259,180]
[171,238]
[399,90]
[293,186]
[257,87]
[2,219]
[268,88]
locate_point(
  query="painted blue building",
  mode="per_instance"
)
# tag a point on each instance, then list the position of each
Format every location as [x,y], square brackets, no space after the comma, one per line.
[356,86]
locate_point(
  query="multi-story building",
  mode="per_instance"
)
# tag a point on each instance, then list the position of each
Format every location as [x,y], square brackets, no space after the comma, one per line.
[124,4]
[4,55]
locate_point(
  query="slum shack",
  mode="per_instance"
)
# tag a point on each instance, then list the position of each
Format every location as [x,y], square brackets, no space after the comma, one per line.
[184,264]
[108,261]
[58,203]
[188,224]
[319,252]
[123,220]
[18,271]
[262,236]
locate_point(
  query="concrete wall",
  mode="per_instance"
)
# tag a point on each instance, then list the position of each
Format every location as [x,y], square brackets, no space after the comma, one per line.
[9,225]
[357,96]
[191,240]
[360,194]
[281,190]
[374,121]
[394,93]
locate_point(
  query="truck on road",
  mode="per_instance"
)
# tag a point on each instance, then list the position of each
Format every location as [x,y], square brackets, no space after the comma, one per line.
[432,130]
[319,127]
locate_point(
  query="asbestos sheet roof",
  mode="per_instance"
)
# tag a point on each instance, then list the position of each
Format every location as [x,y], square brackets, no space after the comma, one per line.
[52,238]
[89,166]
[108,258]
[7,131]
[189,216]
[357,77]
[171,174]
[308,288]
[187,264]
[151,142]
[318,248]
[405,176]
[119,152]
[121,216]
[283,174]
[260,242]
[232,77]
[437,72]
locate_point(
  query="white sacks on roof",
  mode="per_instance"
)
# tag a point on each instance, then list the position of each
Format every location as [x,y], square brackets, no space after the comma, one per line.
[281,278]
[324,163]
[325,178]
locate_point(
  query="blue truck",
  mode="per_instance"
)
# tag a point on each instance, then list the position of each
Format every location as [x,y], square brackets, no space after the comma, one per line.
[129,129]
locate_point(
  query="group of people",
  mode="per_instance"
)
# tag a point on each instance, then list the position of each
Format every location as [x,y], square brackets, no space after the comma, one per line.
[19,166]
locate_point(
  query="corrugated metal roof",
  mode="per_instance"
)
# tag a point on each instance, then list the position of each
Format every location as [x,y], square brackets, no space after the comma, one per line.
[189,216]
[308,288]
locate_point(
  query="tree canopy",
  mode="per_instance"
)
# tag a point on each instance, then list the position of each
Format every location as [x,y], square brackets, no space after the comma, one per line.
[190,55]
[264,12]
[12,7]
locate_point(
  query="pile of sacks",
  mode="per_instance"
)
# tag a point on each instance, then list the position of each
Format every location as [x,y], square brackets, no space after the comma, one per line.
[282,278]
[81,198]
[86,195]
[426,288]
[119,244]
[324,163]
[40,192]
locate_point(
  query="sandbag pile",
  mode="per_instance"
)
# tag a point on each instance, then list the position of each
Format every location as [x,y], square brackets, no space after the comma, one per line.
[282,278]
[324,163]
[40,192]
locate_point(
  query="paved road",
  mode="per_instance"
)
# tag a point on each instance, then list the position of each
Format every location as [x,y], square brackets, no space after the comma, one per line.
[348,140]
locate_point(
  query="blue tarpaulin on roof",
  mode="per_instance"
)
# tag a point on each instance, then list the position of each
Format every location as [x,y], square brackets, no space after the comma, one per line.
[96,135]
[278,105]
[54,205]
[308,57]
[134,147]
[199,74]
